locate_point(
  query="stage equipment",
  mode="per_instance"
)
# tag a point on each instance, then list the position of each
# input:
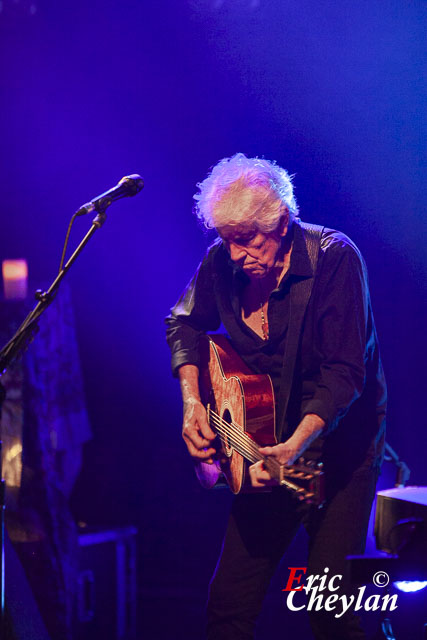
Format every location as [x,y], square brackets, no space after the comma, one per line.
[401,538]
[106,597]
[401,522]
[128,186]
[403,472]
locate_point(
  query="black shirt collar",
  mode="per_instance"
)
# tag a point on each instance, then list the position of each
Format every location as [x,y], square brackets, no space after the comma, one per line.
[300,261]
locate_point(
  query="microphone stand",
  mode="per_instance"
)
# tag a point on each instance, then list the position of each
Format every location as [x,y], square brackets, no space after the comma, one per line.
[16,347]
[403,471]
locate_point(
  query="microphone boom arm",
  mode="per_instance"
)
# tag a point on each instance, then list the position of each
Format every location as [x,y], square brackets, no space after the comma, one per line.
[25,333]
[128,186]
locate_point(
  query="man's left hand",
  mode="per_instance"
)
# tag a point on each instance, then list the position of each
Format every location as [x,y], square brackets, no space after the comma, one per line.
[287,452]
[283,453]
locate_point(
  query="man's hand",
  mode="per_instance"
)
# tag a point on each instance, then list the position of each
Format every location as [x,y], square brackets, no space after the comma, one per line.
[196,432]
[283,453]
[287,452]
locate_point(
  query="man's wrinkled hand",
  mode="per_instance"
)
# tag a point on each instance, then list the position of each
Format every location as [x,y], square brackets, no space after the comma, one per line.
[283,453]
[197,433]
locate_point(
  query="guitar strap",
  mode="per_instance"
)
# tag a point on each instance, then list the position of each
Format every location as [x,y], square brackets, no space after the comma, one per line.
[300,295]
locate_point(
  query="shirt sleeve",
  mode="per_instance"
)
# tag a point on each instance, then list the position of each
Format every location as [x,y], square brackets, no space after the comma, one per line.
[194,314]
[343,332]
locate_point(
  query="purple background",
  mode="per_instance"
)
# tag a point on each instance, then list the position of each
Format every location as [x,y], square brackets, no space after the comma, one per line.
[92,91]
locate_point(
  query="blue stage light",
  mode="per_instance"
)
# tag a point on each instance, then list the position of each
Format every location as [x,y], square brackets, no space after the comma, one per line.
[410,586]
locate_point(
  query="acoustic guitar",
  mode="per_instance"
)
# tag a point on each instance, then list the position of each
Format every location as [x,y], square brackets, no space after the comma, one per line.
[241,411]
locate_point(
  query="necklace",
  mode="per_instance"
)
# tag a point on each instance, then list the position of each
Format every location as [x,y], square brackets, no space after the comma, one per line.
[264,320]
[264,324]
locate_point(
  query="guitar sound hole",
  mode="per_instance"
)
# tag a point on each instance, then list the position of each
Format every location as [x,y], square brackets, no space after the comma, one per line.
[226,444]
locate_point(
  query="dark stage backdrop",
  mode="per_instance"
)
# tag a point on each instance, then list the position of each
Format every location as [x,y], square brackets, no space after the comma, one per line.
[92,91]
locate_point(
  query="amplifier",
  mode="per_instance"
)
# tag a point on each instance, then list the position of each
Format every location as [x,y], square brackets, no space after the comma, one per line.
[401,513]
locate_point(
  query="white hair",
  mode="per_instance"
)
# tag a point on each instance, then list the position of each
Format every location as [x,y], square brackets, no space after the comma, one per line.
[253,192]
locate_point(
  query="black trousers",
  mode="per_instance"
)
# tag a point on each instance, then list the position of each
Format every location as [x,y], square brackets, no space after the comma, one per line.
[261,527]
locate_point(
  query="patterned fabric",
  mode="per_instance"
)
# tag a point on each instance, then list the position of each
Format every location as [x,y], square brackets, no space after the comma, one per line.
[44,425]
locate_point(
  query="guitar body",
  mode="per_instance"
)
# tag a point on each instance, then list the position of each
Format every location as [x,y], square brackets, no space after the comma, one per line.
[235,395]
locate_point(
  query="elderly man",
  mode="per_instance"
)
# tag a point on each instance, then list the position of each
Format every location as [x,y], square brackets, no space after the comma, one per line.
[281,288]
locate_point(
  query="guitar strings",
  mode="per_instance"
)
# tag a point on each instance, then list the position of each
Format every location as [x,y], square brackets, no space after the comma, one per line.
[244,445]
[238,444]
[249,445]
[240,448]
[241,436]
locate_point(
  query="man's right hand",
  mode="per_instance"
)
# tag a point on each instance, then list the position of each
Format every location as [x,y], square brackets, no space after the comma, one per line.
[196,431]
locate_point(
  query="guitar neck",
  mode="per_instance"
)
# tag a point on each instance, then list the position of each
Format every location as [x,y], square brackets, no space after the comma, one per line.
[235,438]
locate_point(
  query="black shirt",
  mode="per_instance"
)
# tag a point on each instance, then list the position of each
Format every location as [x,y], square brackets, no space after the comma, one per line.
[338,374]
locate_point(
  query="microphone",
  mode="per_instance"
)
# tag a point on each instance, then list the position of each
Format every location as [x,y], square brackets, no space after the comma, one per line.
[128,186]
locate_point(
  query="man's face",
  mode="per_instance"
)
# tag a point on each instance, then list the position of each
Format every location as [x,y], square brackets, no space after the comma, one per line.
[255,252]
